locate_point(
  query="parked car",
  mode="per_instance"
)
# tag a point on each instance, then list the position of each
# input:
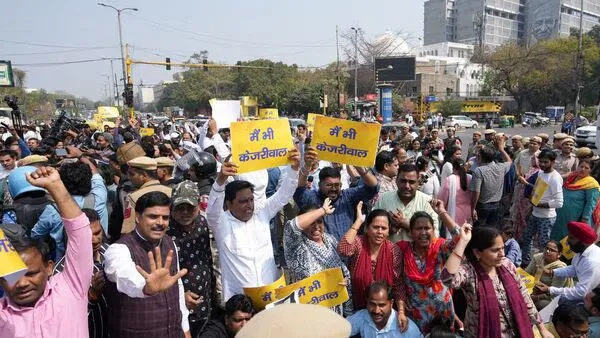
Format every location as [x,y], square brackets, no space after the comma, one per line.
[531,115]
[586,136]
[461,121]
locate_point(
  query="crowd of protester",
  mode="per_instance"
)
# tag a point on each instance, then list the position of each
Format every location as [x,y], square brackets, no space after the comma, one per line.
[126,235]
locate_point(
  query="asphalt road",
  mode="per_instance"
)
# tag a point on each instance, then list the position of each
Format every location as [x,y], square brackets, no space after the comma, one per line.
[466,134]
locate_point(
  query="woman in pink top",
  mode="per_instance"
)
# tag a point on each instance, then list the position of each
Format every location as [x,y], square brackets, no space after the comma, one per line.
[455,192]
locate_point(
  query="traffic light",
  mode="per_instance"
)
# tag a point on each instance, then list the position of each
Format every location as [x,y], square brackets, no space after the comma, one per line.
[205,62]
[128,95]
[168,61]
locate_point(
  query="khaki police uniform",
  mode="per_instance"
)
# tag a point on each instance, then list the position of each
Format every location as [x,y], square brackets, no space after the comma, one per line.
[144,163]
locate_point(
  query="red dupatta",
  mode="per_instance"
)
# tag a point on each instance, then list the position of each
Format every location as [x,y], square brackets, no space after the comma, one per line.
[411,269]
[362,276]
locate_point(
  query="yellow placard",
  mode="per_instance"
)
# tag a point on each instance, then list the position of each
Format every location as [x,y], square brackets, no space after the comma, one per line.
[343,141]
[322,288]
[528,279]
[108,112]
[538,191]
[268,113]
[146,131]
[11,265]
[471,106]
[263,295]
[310,122]
[567,252]
[260,144]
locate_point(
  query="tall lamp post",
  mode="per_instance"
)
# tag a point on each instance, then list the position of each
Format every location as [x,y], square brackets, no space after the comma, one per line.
[119,10]
[356,30]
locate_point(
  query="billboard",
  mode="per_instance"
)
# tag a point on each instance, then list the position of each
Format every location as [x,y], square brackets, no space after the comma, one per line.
[470,106]
[394,69]
[147,95]
[6,74]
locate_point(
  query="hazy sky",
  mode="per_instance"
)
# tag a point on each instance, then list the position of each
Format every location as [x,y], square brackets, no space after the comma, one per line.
[301,32]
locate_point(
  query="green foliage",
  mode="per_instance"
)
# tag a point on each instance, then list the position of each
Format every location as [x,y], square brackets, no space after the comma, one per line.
[450,107]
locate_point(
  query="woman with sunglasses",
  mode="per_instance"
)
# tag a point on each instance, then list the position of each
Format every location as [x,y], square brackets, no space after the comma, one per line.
[310,250]
[550,260]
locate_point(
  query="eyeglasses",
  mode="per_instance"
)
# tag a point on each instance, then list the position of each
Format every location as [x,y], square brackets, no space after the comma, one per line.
[577,333]
[551,249]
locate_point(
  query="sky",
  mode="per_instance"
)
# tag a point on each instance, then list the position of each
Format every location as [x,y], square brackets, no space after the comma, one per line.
[38,32]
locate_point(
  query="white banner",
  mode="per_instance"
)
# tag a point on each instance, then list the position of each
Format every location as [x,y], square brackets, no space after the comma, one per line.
[225,111]
[147,95]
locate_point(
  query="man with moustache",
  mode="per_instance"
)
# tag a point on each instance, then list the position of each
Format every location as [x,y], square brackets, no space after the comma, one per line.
[379,319]
[145,295]
[585,265]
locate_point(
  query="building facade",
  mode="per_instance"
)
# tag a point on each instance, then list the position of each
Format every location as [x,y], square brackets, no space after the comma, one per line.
[496,22]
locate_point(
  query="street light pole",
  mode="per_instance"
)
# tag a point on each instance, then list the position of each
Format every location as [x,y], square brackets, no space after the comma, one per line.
[355,29]
[119,10]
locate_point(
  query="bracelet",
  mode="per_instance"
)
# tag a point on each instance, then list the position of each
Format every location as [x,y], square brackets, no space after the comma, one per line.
[325,211]
[352,228]
[457,255]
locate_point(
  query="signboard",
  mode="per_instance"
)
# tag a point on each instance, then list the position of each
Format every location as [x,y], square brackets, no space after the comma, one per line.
[146,131]
[12,267]
[567,252]
[147,95]
[386,103]
[348,142]
[260,144]
[322,288]
[108,112]
[310,122]
[263,295]
[527,279]
[539,189]
[268,113]
[6,74]
[472,106]
[393,69]
[225,111]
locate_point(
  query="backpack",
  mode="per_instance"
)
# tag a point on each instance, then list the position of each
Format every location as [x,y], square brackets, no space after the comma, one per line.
[27,210]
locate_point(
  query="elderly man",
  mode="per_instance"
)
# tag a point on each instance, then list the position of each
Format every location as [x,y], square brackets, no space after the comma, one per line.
[585,266]
[144,293]
[405,136]
[242,233]
[517,144]
[61,300]
[404,202]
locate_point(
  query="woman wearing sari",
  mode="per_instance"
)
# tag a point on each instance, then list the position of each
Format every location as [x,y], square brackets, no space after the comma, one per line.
[498,302]
[427,297]
[455,192]
[550,260]
[309,250]
[580,196]
[372,257]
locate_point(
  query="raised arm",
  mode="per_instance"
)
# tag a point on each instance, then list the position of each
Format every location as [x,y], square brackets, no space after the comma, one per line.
[455,259]
[306,219]
[217,194]
[310,158]
[78,269]
[350,235]
[285,193]
[501,142]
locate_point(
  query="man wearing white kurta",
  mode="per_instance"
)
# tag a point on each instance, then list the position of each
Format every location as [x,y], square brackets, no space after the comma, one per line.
[242,232]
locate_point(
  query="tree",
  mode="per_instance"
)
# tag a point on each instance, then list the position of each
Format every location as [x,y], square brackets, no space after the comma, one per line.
[450,107]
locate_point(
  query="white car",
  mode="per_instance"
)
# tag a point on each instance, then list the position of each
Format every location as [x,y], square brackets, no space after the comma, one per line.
[586,136]
[461,121]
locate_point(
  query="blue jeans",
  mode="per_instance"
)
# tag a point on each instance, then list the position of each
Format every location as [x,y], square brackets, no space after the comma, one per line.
[488,214]
[542,226]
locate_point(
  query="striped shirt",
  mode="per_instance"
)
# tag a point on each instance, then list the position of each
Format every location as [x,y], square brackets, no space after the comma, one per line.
[97,311]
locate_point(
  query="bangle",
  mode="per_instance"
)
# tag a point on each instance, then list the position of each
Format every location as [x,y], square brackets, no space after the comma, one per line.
[325,211]
[353,228]
[457,255]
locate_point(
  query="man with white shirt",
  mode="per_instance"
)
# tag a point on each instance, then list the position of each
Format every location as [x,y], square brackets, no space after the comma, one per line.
[242,232]
[146,298]
[585,265]
[547,196]
[8,160]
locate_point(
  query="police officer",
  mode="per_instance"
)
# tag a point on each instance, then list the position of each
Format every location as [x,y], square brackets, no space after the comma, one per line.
[142,174]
